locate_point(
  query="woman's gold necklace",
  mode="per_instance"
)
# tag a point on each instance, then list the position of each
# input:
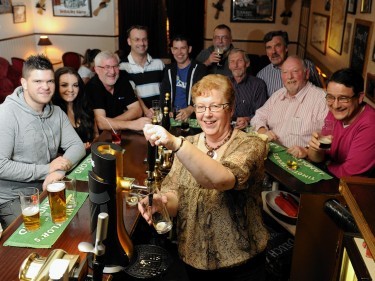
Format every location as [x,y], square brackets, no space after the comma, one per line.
[212,150]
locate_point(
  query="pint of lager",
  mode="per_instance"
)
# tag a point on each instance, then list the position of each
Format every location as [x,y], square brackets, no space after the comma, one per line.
[30,209]
[57,203]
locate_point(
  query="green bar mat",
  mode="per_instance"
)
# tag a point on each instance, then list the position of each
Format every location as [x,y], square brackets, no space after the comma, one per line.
[306,172]
[81,172]
[48,232]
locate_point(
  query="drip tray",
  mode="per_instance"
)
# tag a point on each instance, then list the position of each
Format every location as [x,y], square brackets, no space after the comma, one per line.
[148,261]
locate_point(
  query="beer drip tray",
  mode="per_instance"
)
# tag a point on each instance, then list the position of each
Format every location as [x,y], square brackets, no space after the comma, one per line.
[148,261]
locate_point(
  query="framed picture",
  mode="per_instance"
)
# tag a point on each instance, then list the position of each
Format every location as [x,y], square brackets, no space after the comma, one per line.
[359,51]
[72,8]
[366,6]
[370,86]
[19,13]
[373,53]
[338,20]
[249,11]
[5,6]
[352,6]
[319,32]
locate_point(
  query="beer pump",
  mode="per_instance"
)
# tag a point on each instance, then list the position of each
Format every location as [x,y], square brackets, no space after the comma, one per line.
[106,192]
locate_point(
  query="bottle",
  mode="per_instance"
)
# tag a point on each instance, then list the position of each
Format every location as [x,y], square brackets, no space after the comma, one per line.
[166,122]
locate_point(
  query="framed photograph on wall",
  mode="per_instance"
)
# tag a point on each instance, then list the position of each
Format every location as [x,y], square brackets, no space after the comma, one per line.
[366,6]
[5,6]
[247,11]
[352,6]
[370,86]
[338,20]
[19,13]
[72,8]
[360,49]
[319,32]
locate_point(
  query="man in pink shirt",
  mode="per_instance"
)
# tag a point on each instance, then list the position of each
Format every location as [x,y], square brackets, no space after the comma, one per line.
[353,140]
[292,113]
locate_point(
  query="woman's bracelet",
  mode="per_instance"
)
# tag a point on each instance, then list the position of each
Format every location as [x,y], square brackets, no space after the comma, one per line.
[182,142]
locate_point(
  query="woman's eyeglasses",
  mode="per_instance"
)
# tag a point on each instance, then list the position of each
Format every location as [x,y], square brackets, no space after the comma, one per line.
[212,107]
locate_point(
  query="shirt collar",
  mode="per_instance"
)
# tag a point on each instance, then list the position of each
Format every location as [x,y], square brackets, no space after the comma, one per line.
[131,60]
[300,95]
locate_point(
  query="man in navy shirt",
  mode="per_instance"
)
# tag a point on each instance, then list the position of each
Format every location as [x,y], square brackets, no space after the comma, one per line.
[114,102]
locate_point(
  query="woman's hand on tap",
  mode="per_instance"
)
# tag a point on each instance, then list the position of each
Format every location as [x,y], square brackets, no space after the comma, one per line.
[157,135]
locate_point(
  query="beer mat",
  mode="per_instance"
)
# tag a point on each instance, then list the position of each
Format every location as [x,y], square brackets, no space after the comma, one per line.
[274,147]
[193,123]
[48,233]
[81,172]
[305,171]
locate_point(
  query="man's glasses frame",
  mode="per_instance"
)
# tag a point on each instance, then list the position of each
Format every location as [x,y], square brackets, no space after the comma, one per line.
[341,99]
[109,67]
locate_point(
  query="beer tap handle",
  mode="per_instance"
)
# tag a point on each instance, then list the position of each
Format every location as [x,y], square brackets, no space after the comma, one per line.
[101,234]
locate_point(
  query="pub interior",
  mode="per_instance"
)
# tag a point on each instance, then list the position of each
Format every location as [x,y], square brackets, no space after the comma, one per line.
[333,214]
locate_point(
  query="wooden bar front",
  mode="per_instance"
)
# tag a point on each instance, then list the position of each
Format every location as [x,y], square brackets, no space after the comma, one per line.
[78,229]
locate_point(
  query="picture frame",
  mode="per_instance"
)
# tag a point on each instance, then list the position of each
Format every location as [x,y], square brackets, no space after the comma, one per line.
[337,25]
[373,53]
[366,6]
[244,11]
[370,87]
[319,32]
[352,6]
[360,41]
[73,8]
[19,13]
[5,6]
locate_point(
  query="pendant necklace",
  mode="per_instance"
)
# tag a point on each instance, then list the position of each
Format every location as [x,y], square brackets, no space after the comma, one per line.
[212,150]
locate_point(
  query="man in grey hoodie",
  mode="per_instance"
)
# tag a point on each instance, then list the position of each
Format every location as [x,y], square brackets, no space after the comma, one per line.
[31,132]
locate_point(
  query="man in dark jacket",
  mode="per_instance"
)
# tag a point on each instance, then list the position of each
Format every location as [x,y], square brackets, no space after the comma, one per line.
[180,76]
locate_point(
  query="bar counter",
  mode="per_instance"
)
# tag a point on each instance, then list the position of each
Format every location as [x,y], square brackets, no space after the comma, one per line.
[78,229]
[317,237]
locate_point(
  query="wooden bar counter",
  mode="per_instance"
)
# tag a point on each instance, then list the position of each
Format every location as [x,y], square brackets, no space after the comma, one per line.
[78,229]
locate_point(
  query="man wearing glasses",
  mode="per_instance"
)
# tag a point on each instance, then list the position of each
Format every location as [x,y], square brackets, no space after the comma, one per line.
[222,40]
[292,113]
[114,102]
[352,150]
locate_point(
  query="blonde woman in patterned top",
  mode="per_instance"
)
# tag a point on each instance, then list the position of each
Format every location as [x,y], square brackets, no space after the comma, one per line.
[213,189]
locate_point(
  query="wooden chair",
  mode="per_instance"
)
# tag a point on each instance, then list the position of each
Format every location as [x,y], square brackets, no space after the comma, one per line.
[72,59]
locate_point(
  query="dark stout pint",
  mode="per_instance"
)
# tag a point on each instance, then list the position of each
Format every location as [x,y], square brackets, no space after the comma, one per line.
[57,201]
[185,126]
[220,52]
[325,142]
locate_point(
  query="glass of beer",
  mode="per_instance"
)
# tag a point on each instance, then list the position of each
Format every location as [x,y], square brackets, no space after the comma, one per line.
[220,53]
[158,213]
[325,136]
[57,201]
[30,209]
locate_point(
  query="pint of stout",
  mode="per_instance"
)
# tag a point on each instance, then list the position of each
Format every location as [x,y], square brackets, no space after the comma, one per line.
[57,201]
[325,142]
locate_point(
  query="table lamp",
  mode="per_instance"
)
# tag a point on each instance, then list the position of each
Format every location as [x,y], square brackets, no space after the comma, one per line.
[44,41]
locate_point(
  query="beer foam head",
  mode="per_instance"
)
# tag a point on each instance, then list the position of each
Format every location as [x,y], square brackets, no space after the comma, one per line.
[30,211]
[55,187]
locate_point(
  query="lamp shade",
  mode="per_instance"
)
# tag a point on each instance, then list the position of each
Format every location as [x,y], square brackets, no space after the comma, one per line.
[44,41]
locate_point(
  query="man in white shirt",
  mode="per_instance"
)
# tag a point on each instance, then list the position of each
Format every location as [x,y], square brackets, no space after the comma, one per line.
[292,113]
[145,73]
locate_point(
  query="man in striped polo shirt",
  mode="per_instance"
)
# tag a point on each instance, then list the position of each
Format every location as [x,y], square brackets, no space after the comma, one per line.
[277,51]
[145,72]
[292,113]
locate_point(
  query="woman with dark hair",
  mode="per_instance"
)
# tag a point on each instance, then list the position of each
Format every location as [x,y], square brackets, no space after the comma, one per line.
[86,70]
[70,96]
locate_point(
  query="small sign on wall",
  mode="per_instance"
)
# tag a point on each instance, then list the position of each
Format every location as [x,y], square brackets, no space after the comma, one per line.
[72,8]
